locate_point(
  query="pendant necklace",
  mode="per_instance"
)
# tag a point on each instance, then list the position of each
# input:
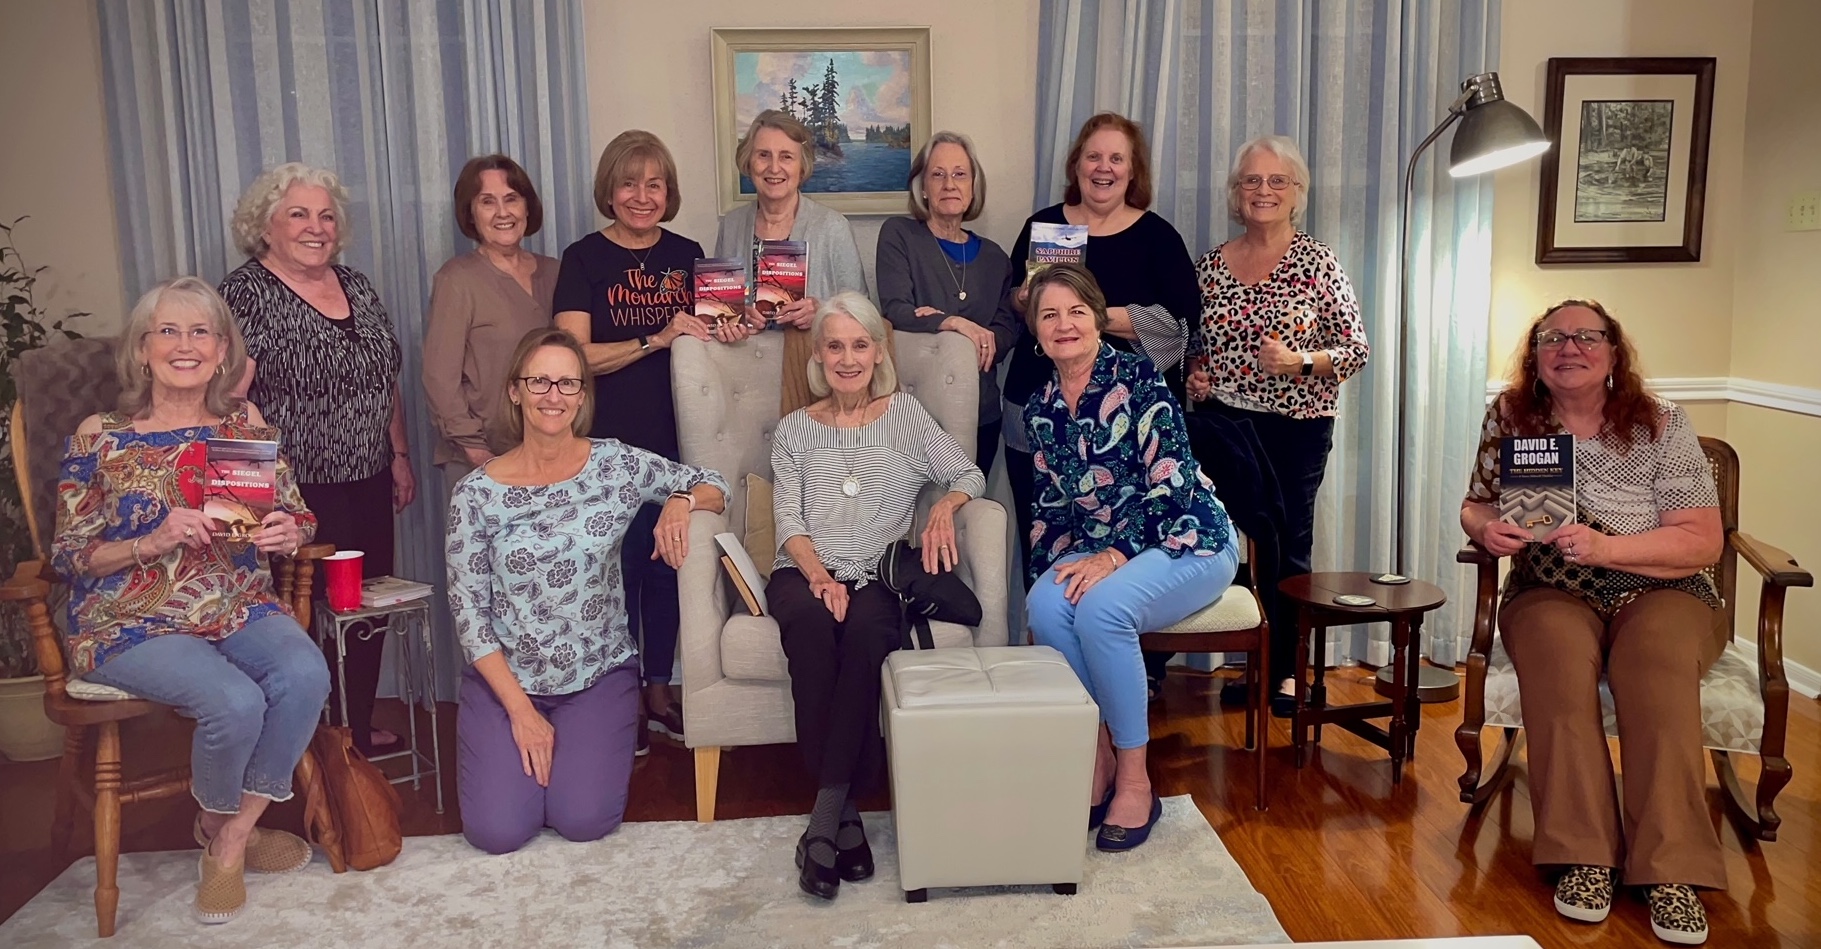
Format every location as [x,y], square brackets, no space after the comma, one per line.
[635,254]
[961,282]
[850,486]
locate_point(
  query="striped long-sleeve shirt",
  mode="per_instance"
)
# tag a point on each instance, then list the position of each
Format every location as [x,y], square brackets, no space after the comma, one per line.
[889,461]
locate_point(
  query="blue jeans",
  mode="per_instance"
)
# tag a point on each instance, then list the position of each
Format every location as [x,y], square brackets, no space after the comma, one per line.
[1099,635]
[256,696]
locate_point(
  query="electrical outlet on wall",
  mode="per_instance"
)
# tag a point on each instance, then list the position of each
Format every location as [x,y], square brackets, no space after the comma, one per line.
[1805,211]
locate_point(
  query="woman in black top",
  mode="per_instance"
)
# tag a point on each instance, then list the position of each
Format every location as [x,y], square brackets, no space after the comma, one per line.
[1138,259]
[625,293]
[324,367]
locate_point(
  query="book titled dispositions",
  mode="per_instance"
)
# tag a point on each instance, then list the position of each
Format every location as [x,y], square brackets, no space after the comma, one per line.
[239,485]
[1536,482]
[720,289]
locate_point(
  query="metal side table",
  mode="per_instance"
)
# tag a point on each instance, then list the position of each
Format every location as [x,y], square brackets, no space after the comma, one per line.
[414,675]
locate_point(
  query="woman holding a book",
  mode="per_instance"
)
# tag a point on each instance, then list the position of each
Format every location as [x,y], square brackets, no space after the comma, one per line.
[165,606]
[1128,534]
[848,469]
[550,698]
[936,276]
[778,154]
[1620,590]
[324,366]
[1280,330]
[624,292]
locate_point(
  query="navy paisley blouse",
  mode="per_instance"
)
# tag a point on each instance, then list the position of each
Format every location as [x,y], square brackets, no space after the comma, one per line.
[1118,474]
[534,571]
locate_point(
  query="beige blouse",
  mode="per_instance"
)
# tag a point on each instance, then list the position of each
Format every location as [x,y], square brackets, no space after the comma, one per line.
[477,316]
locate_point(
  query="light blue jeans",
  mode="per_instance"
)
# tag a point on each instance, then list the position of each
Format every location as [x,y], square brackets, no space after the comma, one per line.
[256,696]
[1099,635]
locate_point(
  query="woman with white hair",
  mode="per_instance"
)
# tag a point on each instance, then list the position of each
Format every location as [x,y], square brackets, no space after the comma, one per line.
[847,471]
[1280,331]
[324,367]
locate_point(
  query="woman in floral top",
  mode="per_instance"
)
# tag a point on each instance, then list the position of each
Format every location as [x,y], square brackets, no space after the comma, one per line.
[1126,534]
[536,591]
[165,606]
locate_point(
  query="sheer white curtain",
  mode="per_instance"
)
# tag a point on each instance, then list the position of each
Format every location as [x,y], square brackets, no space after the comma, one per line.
[1358,83]
[203,95]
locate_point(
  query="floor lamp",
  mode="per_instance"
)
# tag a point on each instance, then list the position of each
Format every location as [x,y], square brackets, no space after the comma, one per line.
[1494,133]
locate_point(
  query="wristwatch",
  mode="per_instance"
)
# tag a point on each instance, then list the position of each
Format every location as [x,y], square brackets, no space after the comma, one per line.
[1308,364]
[644,344]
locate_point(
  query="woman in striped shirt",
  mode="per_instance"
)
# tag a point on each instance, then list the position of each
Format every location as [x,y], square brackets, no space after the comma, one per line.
[847,472]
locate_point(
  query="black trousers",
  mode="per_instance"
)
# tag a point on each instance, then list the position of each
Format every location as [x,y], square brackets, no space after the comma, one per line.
[986,445]
[1021,471]
[356,515]
[651,597]
[834,676]
[1298,451]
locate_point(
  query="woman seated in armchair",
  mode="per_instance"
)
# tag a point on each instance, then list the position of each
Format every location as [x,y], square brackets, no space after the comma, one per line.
[847,472]
[1620,591]
[167,604]
[549,700]
[1126,536]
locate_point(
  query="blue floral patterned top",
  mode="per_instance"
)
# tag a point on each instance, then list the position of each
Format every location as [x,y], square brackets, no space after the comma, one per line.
[534,571]
[1118,474]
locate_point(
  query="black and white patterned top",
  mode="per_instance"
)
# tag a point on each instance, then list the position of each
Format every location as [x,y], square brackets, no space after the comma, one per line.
[890,460]
[326,384]
[534,572]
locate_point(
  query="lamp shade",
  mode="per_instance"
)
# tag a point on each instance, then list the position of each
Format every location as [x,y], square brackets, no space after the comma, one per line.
[1493,132]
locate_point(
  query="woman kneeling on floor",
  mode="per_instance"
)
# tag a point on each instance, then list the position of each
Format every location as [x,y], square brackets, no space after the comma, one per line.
[166,606]
[549,702]
[1127,535]
[848,469]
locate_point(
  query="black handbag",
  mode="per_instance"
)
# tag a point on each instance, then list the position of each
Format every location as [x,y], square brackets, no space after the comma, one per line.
[924,596]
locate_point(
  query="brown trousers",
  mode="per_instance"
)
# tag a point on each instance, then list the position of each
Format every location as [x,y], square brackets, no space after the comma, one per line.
[1653,653]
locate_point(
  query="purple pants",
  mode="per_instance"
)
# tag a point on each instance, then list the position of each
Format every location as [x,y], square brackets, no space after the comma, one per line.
[502,807]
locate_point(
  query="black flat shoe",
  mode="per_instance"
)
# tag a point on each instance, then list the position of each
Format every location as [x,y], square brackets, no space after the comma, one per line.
[1097,814]
[1116,839]
[856,864]
[1283,706]
[815,879]
[1237,693]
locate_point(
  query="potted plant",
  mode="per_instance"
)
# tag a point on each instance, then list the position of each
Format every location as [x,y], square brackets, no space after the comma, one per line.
[25,733]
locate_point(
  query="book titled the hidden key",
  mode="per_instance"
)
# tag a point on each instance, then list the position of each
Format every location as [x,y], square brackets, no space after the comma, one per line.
[1536,482]
[239,485]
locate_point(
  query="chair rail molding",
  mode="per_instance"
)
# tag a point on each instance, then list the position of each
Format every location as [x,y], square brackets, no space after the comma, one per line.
[1769,395]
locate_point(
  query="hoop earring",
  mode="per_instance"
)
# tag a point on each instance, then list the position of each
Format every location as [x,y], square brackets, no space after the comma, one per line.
[1039,348]
[1609,381]
[145,369]
[1538,389]
[221,370]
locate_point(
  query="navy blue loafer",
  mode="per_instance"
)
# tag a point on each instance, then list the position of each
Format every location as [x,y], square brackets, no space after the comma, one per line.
[1116,839]
[1097,814]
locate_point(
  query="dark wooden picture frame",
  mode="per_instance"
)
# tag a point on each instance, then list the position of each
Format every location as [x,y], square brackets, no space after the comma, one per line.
[1625,183]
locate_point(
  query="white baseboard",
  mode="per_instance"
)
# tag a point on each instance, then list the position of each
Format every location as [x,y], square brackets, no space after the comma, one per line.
[1803,681]
[1769,395]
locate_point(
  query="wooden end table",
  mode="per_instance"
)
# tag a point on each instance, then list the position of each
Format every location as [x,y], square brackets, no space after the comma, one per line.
[1401,605]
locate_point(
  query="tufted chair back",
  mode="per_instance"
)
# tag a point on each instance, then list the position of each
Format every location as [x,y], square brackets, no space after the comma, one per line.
[727,408]
[59,385]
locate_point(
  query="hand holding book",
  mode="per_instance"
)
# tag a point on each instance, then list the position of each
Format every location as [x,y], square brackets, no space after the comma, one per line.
[278,533]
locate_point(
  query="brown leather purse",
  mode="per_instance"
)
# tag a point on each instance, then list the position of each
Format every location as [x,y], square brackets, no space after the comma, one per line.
[364,803]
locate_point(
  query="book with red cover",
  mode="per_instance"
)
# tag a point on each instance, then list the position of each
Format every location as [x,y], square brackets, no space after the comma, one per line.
[239,485]
[720,289]
[783,276]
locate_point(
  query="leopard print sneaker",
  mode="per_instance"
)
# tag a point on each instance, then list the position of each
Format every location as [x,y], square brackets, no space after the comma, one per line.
[1676,914]
[1585,894]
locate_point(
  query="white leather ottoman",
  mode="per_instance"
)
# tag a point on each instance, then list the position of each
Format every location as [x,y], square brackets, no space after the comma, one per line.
[992,755]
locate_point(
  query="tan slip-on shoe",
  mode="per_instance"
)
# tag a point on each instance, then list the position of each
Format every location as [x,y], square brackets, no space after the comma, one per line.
[268,851]
[221,891]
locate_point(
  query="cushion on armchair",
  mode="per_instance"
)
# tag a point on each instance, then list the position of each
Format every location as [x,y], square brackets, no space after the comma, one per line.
[64,382]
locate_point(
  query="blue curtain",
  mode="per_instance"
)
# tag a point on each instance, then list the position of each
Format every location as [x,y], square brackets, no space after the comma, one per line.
[394,97]
[1358,83]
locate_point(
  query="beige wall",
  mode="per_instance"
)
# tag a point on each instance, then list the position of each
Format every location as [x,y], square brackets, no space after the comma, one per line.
[54,166]
[984,58]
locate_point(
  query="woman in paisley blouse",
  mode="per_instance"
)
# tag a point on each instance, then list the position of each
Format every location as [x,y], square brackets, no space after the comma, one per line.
[1280,331]
[549,702]
[165,606]
[1622,589]
[1127,534]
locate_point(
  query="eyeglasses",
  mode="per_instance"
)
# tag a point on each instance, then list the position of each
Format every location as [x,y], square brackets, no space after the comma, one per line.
[171,334]
[540,385]
[943,177]
[1277,182]
[1586,339]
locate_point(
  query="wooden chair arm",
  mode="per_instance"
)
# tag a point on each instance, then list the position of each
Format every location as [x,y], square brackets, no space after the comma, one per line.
[314,551]
[1777,567]
[1474,553]
[27,583]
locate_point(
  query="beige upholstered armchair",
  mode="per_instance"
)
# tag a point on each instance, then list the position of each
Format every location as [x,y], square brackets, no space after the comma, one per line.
[736,690]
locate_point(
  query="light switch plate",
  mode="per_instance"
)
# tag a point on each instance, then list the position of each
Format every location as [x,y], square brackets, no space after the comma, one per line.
[1805,211]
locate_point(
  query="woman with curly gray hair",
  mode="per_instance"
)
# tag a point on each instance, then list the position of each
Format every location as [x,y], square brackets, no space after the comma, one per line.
[324,367]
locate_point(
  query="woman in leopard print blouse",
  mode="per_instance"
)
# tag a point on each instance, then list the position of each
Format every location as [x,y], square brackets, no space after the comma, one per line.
[1621,589]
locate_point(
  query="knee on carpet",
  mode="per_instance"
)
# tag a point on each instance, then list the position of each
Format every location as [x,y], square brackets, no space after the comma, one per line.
[498,837]
[582,828]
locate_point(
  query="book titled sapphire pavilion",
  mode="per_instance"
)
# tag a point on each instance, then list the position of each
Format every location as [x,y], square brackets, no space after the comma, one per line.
[1536,482]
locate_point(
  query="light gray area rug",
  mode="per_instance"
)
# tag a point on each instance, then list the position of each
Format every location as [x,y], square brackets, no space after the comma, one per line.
[682,884]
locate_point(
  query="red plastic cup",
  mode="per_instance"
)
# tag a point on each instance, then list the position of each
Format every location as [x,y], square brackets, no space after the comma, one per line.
[342,575]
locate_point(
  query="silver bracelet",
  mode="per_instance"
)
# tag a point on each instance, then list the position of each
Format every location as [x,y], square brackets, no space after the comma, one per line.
[142,564]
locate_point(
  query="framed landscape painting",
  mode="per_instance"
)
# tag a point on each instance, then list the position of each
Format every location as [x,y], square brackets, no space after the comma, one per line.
[863,93]
[1627,179]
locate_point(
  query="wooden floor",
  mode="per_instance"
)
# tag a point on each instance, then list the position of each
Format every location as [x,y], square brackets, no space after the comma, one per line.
[1341,854]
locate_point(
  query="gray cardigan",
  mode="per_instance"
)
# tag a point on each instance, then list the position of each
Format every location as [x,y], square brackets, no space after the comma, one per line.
[834,257]
[913,271]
